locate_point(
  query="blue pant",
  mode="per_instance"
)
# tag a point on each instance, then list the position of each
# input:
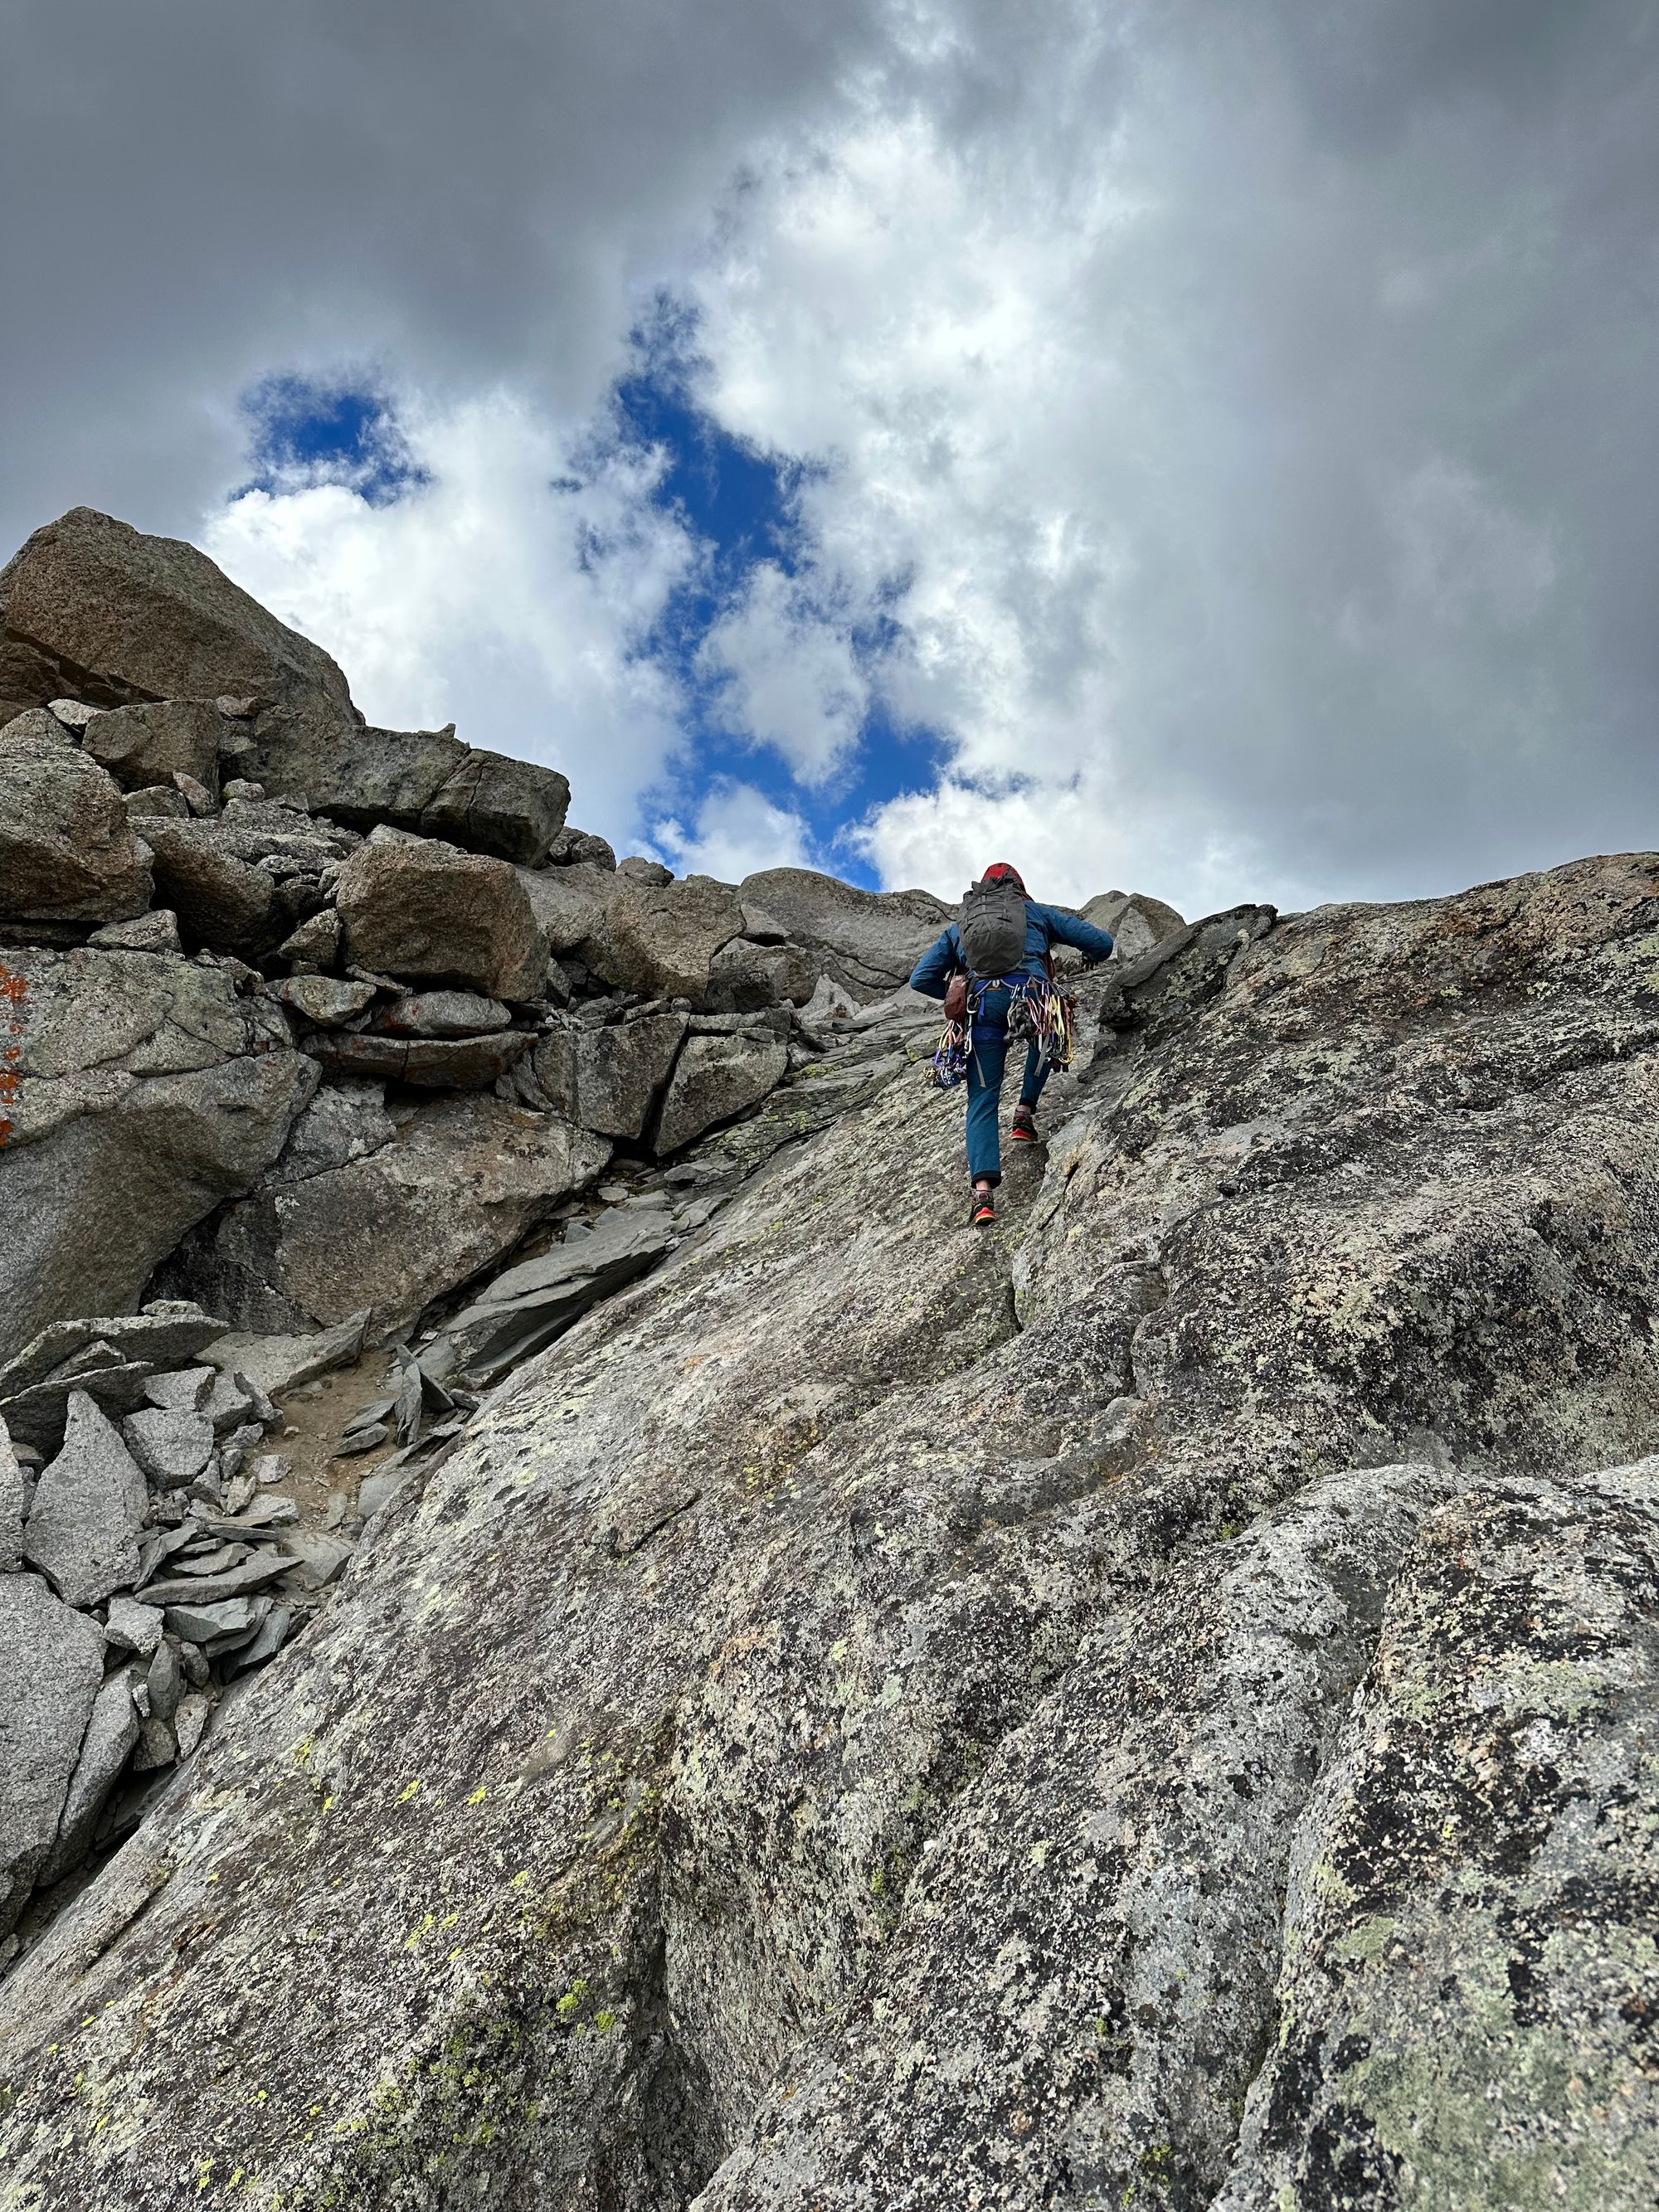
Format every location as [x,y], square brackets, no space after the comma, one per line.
[986,1064]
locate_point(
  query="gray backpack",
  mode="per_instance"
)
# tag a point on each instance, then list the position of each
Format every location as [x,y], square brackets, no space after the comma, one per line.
[991,929]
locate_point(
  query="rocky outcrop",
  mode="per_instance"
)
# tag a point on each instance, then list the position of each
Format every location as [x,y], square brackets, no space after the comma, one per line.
[67,850]
[1152,1702]
[151,1087]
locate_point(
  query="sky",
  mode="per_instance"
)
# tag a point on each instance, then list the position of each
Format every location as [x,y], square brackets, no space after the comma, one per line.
[1207,450]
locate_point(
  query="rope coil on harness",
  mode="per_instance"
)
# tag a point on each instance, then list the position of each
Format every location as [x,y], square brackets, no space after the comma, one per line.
[1038,1012]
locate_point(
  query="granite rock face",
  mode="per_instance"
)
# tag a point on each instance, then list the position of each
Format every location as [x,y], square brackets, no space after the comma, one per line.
[151,1089]
[1153,1703]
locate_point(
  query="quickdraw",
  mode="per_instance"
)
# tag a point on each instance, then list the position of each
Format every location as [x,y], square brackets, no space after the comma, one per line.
[1038,1012]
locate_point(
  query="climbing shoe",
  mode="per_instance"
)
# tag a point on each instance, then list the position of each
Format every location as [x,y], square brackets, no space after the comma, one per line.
[1024,1131]
[985,1209]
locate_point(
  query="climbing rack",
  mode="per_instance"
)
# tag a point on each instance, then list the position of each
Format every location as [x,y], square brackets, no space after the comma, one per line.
[1039,1012]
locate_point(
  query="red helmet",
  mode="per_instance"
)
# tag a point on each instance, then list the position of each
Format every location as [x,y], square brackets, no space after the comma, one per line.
[1002,871]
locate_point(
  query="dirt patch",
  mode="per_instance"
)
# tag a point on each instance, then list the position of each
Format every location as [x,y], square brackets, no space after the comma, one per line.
[313,1417]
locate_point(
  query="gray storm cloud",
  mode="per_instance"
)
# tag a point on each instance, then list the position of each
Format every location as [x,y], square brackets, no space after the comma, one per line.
[1307,521]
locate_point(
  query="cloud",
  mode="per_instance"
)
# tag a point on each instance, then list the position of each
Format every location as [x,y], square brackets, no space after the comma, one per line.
[1228,434]
[737,831]
[498,592]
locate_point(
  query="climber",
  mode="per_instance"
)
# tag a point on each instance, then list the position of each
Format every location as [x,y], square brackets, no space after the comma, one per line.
[991,969]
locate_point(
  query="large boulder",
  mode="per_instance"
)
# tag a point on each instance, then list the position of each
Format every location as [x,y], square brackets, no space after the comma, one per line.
[1135,922]
[868,940]
[421,780]
[744,976]
[146,746]
[149,1090]
[426,912]
[366,1210]
[659,937]
[495,804]
[714,1078]
[92,609]
[67,851]
[608,1079]
[52,1660]
[570,904]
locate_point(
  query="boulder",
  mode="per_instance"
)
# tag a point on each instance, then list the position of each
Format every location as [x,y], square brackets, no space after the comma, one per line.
[241,881]
[155,932]
[570,904]
[659,937]
[868,940]
[425,780]
[112,1731]
[221,901]
[11,1505]
[89,1508]
[149,1090]
[277,1364]
[608,1079]
[429,913]
[715,1078]
[1136,922]
[491,804]
[95,609]
[362,777]
[443,1193]
[67,851]
[325,999]
[473,1063]
[147,745]
[580,846]
[51,1662]
[443,1014]
[744,976]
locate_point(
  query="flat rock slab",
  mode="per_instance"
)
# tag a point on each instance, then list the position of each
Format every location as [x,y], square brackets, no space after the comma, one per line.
[528,1306]
[167,1333]
[51,1662]
[112,1731]
[88,1512]
[206,1590]
[444,1014]
[277,1364]
[442,1064]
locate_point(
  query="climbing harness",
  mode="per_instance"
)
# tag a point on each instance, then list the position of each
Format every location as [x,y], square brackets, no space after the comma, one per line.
[1038,1012]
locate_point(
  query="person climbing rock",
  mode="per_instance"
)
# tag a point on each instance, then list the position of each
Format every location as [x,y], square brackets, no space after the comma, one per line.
[995,970]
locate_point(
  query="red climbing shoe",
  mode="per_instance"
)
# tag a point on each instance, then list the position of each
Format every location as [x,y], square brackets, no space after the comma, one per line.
[1024,1131]
[985,1209]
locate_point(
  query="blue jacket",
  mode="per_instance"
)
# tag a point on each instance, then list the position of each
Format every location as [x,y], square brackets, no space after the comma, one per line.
[1044,925]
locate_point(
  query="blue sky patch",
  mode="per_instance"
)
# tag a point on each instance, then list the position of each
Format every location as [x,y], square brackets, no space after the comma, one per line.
[325,432]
